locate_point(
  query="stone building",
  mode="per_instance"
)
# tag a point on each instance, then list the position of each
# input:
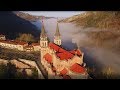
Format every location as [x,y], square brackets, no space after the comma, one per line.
[36,46]
[61,63]
[29,48]
[13,44]
[19,45]
[58,62]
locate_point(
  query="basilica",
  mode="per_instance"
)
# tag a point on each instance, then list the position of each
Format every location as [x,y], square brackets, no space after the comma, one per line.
[59,62]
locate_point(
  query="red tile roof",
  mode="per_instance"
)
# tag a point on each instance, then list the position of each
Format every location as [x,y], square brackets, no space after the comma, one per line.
[60,52]
[48,57]
[77,68]
[66,77]
[20,42]
[53,46]
[65,55]
[9,42]
[63,72]
[78,52]
[28,46]
[35,44]
[15,42]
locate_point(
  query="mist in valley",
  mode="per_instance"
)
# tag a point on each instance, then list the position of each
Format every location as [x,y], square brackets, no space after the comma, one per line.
[100,52]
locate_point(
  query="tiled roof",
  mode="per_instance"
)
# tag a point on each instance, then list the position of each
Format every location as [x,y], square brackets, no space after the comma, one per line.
[63,72]
[77,68]
[15,42]
[28,46]
[20,42]
[8,42]
[35,44]
[60,52]
[78,52]
[48,57]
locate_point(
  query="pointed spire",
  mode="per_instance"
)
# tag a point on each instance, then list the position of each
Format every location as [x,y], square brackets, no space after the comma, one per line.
[43,33]
[57,33]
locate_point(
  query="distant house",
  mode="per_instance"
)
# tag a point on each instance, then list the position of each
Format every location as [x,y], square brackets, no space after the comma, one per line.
[36,46]
[21,45]
[13,44]
[28,48]
[18,45]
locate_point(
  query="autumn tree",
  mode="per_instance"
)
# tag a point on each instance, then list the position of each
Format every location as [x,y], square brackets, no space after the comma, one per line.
[26,37]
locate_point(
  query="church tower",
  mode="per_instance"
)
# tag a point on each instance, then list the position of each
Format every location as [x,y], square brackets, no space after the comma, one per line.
[57,37]
[43,44]
[43,37]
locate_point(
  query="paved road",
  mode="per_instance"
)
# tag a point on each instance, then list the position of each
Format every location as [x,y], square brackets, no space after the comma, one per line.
[42,69]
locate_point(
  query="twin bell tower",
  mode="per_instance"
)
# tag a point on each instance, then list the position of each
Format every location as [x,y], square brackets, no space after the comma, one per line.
[44,38]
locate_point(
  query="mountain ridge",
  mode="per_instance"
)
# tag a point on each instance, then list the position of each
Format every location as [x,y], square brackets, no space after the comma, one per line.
[11,25]
[100,29]
[30,17]
[97,19]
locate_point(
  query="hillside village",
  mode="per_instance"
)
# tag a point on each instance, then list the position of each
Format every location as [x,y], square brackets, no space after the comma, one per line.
[55,61]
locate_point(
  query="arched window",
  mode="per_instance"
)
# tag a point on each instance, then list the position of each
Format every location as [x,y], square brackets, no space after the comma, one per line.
[46,43]
[59,42]
[43,44]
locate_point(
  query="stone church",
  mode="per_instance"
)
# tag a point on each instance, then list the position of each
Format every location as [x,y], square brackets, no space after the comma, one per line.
[58,62]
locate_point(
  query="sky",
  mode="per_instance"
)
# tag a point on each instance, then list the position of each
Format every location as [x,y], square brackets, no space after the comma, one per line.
[54,13]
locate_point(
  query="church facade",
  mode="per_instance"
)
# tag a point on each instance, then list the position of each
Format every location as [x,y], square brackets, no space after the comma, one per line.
[58,62]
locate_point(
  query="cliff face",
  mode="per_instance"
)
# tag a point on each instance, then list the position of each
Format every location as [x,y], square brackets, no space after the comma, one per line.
[11,25]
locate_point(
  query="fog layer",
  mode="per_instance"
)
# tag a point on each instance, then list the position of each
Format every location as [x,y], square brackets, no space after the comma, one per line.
[97,53]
